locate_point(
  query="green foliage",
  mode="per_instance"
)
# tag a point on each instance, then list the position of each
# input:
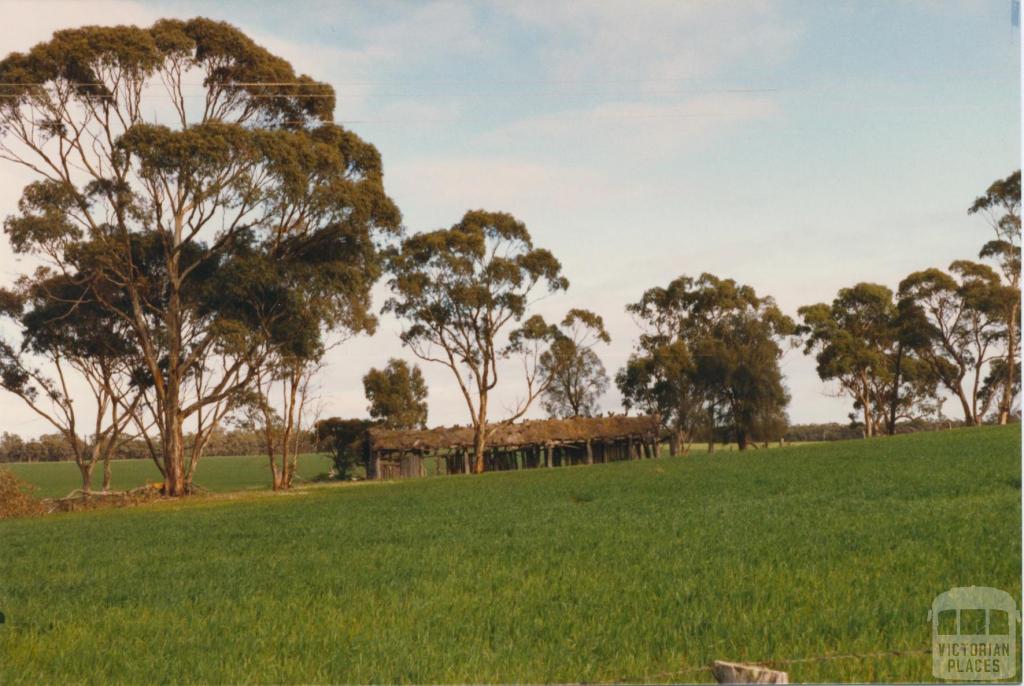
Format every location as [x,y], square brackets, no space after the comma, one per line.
[708,357]
[233,64]
[234,234]
[866,342]
[461,289]
[1000,205]
[626,572]
[344,440]
[578,379]
[397,395]
[958,319]
[474,277]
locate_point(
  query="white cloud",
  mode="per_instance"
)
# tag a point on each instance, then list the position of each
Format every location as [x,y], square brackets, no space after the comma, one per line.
[635,130]
[28,23]
[446,188]
[657,39]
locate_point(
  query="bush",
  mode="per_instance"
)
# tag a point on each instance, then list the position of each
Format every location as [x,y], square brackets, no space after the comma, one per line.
[344,439]
[16,499]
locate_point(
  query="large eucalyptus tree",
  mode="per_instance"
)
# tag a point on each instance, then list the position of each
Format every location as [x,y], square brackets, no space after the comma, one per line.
[179,167]
[708,360]
[868,344]
[1000,205]
[463,289]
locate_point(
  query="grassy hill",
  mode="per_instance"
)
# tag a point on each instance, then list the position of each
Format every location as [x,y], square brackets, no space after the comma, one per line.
[637,571]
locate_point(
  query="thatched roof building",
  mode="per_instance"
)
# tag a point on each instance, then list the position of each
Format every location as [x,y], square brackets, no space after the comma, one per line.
[526,445]
[543,432]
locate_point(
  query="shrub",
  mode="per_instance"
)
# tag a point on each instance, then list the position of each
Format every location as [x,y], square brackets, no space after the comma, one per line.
[16,499]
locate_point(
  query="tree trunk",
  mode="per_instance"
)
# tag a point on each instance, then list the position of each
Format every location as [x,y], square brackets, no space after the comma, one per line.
[478,449]
[107,476]
[741,439]
[174,449]
[968,415]
[86,470]
[895,400]
[277,477]
[869,427]
[1011,367]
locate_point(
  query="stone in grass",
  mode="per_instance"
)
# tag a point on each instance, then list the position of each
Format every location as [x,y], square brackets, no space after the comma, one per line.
[738,673]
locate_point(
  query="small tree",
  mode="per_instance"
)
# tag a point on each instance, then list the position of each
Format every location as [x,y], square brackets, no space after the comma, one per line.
[578,379]
[658,379]
[960,318]
[1000,205]
[68,339]
[344,439]
[286,383]
[397,395]
[461,289]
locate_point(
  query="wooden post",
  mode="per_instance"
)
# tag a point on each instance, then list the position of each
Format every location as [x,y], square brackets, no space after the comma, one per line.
[548,456]
[590,453]
[738,673]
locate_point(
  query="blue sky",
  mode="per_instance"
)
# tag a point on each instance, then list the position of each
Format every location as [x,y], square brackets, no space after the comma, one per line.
[799,147]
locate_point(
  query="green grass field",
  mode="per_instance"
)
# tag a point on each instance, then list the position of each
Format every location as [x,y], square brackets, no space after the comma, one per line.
[632,571]
[216,474]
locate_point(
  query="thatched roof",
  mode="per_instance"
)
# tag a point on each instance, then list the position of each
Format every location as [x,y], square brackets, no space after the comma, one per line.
[532,432]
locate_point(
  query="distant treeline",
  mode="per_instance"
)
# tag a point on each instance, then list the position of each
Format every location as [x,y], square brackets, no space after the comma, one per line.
[835,431]
[54,448]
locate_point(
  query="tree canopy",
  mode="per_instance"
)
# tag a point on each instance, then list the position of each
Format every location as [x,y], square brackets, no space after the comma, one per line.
[462,289]
[708,358]
[397,395]
[959,316]
[865,342]
[1000,205]
[223,229]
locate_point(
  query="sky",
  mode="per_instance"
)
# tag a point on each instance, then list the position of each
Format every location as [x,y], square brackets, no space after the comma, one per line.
[797,147]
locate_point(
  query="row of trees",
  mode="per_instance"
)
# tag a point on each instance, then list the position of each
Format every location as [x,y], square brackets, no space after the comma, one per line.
[955,332]
[193,268]
[53,447]
[198,252]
